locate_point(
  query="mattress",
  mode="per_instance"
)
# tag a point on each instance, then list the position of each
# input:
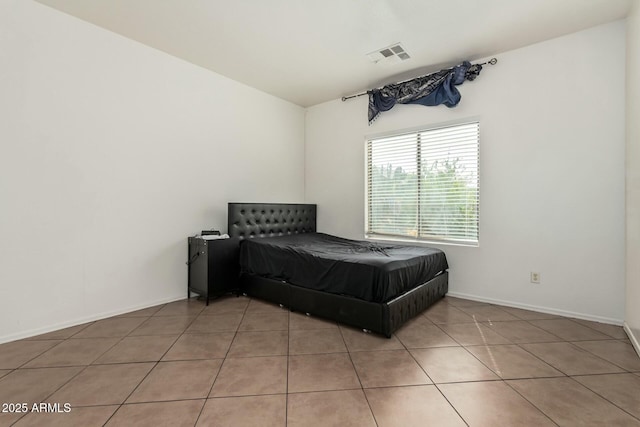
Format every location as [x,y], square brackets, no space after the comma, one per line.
[369,271]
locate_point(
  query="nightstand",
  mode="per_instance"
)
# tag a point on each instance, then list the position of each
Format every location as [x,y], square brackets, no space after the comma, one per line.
[213,266]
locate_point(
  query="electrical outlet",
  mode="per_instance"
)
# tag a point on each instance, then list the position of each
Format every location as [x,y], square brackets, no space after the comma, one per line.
[535,277]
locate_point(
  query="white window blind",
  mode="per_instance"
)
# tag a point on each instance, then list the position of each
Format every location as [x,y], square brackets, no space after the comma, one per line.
[424,184]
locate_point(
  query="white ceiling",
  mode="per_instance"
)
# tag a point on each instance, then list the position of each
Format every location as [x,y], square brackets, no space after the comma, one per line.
[309,52]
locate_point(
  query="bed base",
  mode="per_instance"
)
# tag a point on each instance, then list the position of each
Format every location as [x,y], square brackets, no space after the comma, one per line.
[382,318]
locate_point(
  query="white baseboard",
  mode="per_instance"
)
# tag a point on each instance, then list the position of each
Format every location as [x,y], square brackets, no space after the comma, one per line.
[79,321]
[634,340]
[564,313]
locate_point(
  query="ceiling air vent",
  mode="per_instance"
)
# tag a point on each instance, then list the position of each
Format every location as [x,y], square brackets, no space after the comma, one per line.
[390,54]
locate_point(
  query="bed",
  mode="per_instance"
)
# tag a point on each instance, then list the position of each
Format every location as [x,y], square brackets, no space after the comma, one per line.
[372,286]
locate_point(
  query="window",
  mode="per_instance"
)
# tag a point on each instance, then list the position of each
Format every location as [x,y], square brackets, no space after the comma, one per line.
[424,185]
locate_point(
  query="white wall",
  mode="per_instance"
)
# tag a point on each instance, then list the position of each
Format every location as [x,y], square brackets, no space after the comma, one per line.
[632,312]
[552,173]
[111,154]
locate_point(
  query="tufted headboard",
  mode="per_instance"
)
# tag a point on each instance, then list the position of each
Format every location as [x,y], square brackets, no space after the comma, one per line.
[247,220]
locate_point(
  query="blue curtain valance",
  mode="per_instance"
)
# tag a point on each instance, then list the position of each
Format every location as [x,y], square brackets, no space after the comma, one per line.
[432,89]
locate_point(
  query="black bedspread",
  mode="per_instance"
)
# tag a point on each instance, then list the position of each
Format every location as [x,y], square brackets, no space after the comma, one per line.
[370,271]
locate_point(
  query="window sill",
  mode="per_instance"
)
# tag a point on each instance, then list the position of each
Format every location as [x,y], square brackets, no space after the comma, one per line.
[396,239]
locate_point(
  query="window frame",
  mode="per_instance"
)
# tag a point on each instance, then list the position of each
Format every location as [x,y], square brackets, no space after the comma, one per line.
[418,239]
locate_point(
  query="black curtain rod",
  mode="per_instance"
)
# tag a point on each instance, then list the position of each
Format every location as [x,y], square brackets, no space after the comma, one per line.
[492,61]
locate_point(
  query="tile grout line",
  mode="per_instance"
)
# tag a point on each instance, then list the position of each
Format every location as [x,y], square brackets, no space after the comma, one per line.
[84,368]
[570,377]
[500,379]
[528,324]
[562,340]
[581,349]
[414,359]
[208,396]
[605,337]
[51,348]
[286,396]
[600,357]
[541,359]
[366,398]
[450,404]
[428,376]
[594,329]
[155,363]
[38,355]
[603,397]
[531,403]
[511,343]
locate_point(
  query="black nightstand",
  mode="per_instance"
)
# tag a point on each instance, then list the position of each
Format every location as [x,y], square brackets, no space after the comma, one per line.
[213,266]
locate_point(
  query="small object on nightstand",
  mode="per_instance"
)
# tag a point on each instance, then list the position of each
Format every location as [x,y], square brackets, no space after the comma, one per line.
[211,232]
[214,236]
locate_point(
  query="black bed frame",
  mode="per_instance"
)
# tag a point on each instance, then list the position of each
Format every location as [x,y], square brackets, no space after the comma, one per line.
[255,220]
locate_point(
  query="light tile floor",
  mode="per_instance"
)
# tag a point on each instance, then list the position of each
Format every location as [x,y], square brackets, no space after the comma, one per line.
[243,362]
